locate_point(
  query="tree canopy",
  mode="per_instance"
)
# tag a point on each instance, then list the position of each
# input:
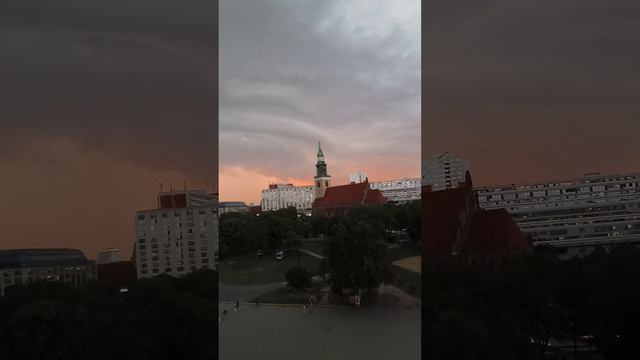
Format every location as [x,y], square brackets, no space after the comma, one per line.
[159,318]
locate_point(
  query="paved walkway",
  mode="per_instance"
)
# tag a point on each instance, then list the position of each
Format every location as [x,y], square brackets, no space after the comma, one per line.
[413,263]
[287,333]
[311,253]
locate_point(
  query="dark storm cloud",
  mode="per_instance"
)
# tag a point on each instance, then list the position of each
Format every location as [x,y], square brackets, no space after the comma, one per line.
[346,73]
[131,79]
[515,83]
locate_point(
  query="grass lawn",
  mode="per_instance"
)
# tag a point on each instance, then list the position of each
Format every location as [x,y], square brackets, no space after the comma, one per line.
[409,281]
[253,270]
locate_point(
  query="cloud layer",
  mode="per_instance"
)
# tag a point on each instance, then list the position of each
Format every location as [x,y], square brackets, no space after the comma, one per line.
[346,73]
[530,90]
[131,79]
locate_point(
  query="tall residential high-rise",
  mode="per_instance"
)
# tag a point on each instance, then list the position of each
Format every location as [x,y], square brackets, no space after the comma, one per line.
[592,210]
[444,171]
[322,179]
[179,236]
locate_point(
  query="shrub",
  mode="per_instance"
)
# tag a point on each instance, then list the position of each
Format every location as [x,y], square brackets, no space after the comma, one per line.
[298,277]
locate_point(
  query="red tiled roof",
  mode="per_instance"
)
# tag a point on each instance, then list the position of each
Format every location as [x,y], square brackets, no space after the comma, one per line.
[342,195]
[374,197]
[495,232]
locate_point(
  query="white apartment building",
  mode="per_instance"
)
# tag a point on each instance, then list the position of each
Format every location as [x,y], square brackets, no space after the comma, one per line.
[399,190]
[444,171]
[108,256]
[357,177]
[592,210]
[225,207]
[179,236]
[282,196]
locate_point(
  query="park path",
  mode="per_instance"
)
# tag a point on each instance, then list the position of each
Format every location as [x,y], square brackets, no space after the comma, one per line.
[311,253]
[403,298]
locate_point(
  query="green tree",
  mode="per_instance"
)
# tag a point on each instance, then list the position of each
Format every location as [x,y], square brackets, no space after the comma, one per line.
[298,277]
[356,256]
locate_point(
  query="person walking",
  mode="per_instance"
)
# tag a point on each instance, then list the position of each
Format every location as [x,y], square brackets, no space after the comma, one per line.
[236,306]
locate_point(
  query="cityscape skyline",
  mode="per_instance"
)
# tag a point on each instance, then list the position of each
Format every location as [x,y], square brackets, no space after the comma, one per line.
[350,81]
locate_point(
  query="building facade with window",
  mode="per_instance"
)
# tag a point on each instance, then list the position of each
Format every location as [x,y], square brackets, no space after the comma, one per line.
[444,171]
[178,237]
[399,190]
[21,266]
[593,210]
[282,196]
[225,207]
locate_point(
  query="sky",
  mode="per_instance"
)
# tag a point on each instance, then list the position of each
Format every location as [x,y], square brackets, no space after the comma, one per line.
[295,72]
[100,102]
[533,90]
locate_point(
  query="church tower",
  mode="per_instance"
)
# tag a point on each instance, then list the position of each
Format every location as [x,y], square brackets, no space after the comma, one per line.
[322,179]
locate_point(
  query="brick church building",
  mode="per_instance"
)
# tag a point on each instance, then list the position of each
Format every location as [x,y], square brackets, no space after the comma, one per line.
[454,225]
[339,200]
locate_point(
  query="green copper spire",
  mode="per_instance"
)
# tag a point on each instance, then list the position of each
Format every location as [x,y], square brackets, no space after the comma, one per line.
[321,166]
[320,154]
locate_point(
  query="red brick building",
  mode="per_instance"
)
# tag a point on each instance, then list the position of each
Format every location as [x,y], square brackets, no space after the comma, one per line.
[453,224]
[339,200]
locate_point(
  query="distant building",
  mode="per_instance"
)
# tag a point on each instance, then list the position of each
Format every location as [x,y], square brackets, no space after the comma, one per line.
[107,256]
[21,266]
[282,196]
[444,171]
[592,210]
[339,200]
[178,237]
[232,206]
[357,177]
[454,225]
[399,190]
